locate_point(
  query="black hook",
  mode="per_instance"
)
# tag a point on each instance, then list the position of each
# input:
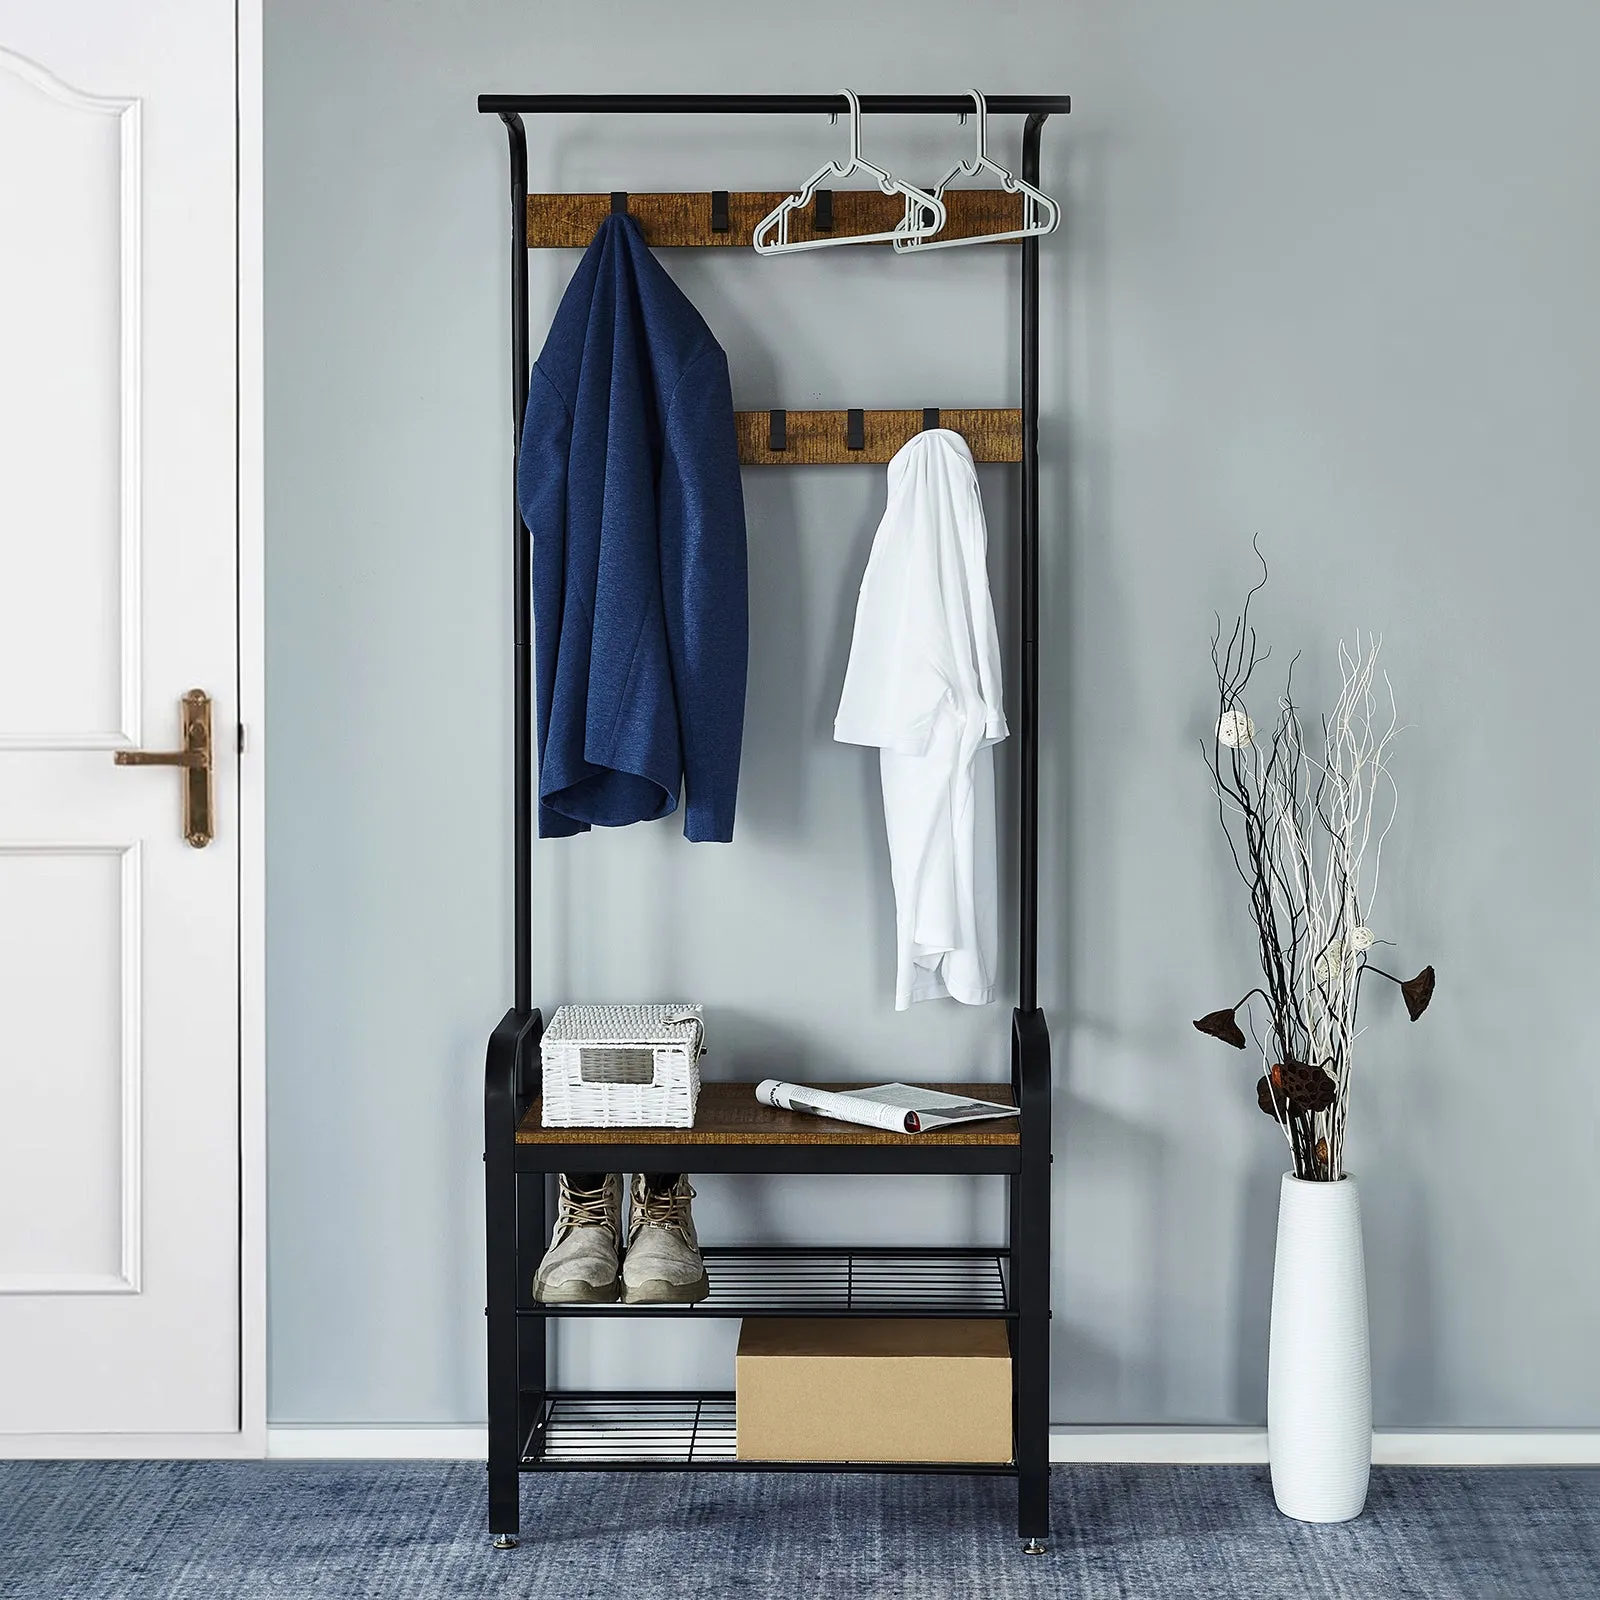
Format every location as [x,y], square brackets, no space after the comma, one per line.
[619,202]
[777,430]
[822,212]
[855,436]
[930,417]
[719,210]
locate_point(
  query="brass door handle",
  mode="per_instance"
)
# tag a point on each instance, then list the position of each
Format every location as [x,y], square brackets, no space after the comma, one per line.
[194,758]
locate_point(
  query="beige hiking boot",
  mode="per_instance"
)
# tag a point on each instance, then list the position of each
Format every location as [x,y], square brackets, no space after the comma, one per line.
[581,1264]
[662,1265]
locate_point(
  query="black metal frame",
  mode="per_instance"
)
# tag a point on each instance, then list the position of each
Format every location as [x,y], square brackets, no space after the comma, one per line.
[520,1402]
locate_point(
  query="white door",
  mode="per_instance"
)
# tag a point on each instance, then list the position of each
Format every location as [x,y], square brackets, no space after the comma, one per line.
[119,940]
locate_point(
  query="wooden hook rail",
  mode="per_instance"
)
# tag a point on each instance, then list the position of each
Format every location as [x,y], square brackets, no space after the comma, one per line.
[843,438]
[568,221]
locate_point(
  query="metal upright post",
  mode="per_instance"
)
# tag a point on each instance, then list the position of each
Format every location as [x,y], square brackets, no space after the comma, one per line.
[532,1339]
[1028,852]
[1030,1213]
[522,576]
[503,1088]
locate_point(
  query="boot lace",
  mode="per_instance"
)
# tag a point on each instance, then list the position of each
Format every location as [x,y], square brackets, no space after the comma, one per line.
[583,1208]
[669,1209]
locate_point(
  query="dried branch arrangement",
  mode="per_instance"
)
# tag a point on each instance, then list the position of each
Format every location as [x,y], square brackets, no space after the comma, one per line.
[1305,823]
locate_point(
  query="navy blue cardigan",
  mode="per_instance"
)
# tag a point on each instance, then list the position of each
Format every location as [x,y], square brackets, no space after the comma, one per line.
[629,484]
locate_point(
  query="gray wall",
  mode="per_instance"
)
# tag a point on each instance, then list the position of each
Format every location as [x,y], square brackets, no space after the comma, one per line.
[1328,277]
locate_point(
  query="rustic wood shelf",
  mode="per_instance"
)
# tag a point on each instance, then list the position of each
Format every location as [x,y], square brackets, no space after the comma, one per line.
[569,221]
[820,438]
[729,1113]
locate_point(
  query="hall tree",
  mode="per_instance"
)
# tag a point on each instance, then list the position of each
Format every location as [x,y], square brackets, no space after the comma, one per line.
[537,1426]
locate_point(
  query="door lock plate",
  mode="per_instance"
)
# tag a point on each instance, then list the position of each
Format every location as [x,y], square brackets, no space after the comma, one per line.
[195,760]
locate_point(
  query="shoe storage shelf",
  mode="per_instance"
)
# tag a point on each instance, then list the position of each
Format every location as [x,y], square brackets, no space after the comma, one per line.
[533,1427]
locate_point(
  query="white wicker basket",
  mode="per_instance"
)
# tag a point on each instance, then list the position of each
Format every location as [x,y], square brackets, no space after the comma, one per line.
[622,1066]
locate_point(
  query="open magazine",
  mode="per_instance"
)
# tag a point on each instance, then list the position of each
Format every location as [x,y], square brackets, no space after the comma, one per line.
[899,1107]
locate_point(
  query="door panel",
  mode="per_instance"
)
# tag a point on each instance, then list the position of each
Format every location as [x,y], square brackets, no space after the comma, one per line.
[119,971]
[69,1123]
[69,409]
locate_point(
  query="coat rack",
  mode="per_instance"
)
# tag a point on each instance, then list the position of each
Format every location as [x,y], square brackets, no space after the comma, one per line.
[719,219]
[533,1426]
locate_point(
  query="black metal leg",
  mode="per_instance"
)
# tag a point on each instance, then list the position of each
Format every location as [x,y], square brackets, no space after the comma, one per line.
[500,1225]
[533,1368]
[1014,1260]
[513,1043]
[1031,1271]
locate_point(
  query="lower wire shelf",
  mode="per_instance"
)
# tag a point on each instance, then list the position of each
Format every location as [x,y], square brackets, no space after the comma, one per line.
[811,1281]
[617,1430]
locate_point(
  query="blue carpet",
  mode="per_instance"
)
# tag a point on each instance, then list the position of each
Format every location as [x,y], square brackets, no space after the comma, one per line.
[416,1531]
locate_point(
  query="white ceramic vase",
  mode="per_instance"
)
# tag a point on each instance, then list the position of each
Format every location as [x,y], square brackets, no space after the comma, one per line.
[1319,1373]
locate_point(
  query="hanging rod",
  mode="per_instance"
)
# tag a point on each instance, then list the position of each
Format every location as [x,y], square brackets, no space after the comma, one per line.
[930,105]
[850,438]
[569,221]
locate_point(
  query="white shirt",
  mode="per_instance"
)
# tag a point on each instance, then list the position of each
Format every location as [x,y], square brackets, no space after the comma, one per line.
[923,685]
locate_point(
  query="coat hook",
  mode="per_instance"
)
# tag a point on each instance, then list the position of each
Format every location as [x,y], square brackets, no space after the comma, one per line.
[930,417]
[777,430]
[719,210]
[855,437]
[619,202]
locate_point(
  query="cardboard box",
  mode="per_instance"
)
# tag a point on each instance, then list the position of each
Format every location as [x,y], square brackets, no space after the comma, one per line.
[873,1389]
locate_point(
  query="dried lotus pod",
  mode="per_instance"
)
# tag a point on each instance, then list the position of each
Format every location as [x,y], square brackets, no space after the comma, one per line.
[1265,1101]
[1223,1025]
[1322,1153]
[1308,1088]
[1417,992]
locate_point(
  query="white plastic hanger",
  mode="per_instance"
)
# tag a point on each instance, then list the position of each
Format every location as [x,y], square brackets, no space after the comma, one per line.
[1040,214]
[924,212]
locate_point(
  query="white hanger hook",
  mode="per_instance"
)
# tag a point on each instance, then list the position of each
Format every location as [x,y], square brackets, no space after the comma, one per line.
[982,119]
[855,126]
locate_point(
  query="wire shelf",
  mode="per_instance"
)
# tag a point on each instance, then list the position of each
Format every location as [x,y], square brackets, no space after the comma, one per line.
[677,1430]
[808,1281]
[634,1431]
